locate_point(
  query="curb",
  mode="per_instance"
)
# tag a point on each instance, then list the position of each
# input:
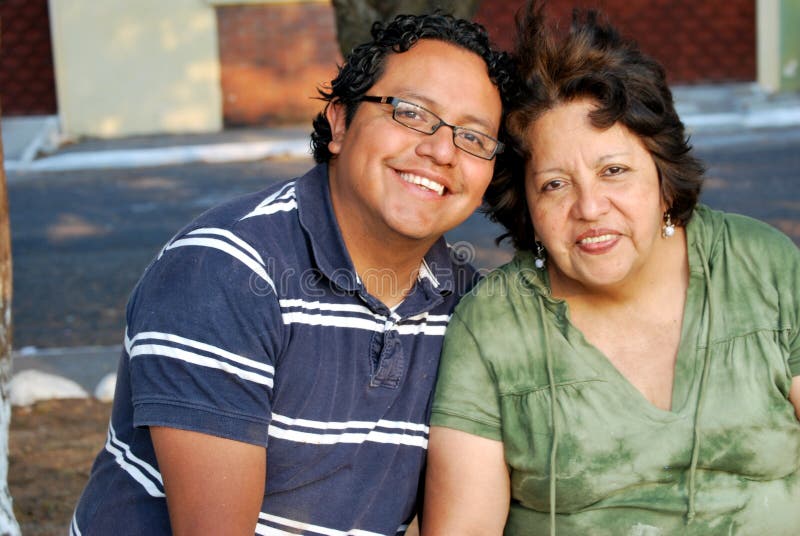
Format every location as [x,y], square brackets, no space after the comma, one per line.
[163,156]
[707,124]
[77,372]
[777,117]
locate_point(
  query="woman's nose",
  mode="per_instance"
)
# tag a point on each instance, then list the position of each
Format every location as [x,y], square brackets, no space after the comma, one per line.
[591,202]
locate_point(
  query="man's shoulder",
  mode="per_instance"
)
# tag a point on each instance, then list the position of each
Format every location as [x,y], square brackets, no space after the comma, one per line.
[269,206]
[258,224]
[249,238]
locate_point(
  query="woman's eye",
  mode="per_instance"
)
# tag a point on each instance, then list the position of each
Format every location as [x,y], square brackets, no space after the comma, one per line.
[614,170]
[552,185]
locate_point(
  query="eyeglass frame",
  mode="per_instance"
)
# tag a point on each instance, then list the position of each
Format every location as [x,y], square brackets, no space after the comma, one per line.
[395,101]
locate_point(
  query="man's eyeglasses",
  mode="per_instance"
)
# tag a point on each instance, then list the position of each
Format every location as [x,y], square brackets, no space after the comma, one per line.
[423,120]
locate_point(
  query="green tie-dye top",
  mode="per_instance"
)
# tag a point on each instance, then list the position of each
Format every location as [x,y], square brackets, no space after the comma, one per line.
[624,466]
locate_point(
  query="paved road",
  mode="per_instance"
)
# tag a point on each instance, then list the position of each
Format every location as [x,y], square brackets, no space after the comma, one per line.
[81,239]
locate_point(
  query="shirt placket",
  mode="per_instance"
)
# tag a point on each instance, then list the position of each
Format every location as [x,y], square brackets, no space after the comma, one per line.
[388,357]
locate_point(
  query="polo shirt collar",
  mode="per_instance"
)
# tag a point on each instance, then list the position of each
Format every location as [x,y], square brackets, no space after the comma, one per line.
[315,211]
[317,218]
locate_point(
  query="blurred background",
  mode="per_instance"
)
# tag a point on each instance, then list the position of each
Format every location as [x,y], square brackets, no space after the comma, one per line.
[122,120]
[95,82]
[119,68]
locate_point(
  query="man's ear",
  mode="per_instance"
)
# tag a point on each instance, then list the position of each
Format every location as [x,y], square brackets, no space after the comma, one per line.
[335,113]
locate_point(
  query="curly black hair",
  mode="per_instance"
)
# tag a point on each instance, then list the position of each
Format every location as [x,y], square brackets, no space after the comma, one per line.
[364,65]
[591,61]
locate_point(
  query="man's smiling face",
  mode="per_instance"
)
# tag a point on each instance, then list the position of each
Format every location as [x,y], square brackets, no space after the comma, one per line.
[394,183]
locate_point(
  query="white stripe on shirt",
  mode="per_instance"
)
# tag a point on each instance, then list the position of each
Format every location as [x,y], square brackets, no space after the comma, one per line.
[416,329]
[118,449]
[233,238]
[426,272]
[74,530]
[129,455]
[360,323]
[343,425]
[334,321]
[284,192]
[322,306]
[299,525]
[281,201]
[272,209]
[422,319]
[348,437]
[230,250]
[200,346]
[430,318]
[198,359]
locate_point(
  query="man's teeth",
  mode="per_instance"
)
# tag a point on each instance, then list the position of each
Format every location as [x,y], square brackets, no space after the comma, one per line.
[596,239]
[422,181]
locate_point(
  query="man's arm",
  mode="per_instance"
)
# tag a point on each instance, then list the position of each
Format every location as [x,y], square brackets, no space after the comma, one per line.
[467,487]
[213,485]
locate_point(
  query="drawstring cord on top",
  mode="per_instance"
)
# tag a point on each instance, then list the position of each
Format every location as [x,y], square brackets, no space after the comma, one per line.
[553,422]
[692,491]
[703,380]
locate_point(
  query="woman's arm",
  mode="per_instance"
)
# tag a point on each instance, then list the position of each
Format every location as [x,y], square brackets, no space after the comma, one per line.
[213,485]
[467,488]
[794,395]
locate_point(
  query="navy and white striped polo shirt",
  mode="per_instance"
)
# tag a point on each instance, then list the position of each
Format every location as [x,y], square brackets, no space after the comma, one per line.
[252,325]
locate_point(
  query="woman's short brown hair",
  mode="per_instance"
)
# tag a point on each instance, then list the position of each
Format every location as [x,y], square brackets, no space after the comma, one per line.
[592,61]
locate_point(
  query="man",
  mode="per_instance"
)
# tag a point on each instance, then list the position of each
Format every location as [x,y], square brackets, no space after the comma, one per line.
[281,350]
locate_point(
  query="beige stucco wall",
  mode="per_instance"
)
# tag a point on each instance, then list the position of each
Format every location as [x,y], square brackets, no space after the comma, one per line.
[136,67]
[768,44]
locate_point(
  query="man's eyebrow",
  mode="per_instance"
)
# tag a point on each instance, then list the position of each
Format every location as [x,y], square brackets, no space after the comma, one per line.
[469,119]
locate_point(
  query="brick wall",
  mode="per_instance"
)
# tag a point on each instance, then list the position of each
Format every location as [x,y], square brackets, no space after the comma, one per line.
[498,18]
[703,41]
[27,82]
[273,57]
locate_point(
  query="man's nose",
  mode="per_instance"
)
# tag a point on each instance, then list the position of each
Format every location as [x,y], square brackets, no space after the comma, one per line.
[439,146]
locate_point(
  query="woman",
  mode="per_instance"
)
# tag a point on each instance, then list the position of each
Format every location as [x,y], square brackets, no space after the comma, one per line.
[635,370]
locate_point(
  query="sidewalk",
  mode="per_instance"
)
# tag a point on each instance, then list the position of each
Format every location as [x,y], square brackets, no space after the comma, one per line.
[31,143]
[738,112]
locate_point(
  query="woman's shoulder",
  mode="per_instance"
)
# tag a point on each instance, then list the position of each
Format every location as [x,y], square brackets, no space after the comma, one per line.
[517,277]
[726,233]
[506,291]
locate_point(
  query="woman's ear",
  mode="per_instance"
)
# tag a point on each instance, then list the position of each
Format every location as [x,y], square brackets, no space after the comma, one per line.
[336,114]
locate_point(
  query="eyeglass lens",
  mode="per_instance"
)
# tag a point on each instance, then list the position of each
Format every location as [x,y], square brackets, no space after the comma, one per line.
[422,120]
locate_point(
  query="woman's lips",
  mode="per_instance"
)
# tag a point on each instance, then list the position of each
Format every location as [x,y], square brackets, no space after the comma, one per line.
[597,241]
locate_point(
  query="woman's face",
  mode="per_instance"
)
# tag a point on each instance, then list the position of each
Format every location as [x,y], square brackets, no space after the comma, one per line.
[594,198]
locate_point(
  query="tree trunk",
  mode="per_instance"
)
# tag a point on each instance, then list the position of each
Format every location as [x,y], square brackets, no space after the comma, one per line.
[354,18]
[8,523]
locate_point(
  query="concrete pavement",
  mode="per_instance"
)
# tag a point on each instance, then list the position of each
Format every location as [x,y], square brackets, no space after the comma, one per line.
[33,144]
[713,114]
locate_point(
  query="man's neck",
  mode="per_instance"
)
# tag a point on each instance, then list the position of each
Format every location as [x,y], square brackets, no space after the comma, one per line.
[387,269]
[386,261]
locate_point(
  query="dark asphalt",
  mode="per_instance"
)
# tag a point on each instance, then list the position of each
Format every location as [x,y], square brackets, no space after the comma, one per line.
[81,239]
